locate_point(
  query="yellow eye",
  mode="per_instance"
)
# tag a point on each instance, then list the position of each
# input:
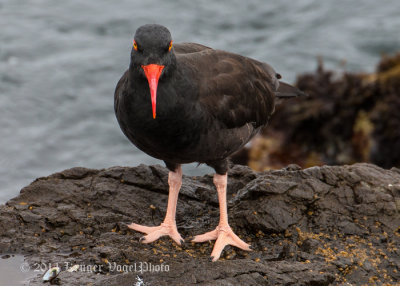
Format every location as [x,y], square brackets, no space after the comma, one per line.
[170,46]
[134,45]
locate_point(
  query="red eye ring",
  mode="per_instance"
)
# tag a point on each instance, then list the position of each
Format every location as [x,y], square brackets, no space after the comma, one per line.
[134,45]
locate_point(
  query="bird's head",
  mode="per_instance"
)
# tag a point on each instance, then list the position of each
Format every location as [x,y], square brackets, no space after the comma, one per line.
[152,56]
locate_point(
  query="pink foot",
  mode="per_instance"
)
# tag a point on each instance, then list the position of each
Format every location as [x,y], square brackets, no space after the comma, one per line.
[224,236]
[155,232]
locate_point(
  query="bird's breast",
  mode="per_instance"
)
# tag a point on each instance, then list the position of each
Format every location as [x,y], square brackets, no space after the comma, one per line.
[175,129]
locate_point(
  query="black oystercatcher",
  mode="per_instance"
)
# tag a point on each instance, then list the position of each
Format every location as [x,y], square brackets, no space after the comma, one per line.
[186,103]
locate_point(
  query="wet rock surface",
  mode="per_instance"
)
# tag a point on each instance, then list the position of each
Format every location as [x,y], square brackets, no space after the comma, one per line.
[318,226]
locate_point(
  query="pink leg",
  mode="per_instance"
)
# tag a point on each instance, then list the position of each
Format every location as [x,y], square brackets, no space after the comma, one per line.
[223,232]
[168,227]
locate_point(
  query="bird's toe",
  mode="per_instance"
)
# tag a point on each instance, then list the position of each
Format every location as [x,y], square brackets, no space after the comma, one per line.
[155,232]
[211,235]
[224,236]
[142,228]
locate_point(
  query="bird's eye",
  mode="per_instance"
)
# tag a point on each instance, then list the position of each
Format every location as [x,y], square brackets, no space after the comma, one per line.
[170,46]
[135,45]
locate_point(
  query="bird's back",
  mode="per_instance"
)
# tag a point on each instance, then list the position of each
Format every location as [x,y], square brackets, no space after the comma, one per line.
[235,93]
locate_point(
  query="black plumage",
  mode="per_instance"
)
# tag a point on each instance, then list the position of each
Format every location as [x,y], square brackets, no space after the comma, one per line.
[210,103]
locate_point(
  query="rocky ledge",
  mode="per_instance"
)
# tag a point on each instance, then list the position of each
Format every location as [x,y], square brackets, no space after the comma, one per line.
[317,226]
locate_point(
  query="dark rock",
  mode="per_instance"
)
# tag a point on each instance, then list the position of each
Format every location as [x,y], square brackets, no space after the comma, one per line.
[318,226]
[310,245]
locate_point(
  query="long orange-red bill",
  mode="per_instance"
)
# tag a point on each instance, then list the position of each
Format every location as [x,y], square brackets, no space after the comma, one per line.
[153,73]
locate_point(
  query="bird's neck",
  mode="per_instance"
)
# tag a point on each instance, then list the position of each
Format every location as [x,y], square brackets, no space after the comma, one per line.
[167,97]
[136,78]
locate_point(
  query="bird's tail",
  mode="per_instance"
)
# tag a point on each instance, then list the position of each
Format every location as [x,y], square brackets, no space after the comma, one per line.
[287,91]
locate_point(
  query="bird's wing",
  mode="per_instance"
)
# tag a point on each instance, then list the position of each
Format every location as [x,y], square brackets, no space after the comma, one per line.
[233,89]
[187,48]
[118,90]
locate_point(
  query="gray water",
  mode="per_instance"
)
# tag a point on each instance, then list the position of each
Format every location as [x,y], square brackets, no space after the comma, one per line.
[60,62]
[14,271]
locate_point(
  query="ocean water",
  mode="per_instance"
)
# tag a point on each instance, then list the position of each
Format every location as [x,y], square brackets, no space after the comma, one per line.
[60,62]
